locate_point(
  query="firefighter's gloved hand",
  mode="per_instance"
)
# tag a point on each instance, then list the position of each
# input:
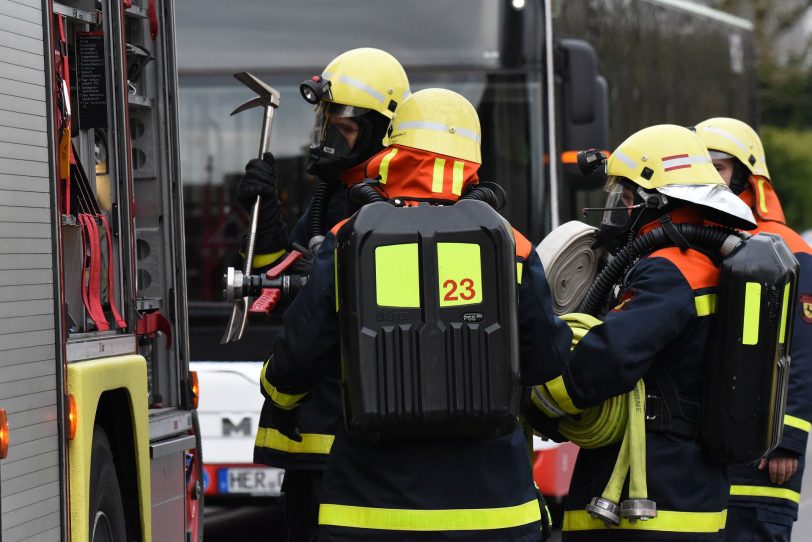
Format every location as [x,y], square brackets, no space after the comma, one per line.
[286,422]
[259,180]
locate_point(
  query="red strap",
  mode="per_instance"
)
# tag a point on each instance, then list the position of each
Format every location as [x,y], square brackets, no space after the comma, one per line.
[94,276]
[153,19]
[153,322]
[110,278]
[281,267]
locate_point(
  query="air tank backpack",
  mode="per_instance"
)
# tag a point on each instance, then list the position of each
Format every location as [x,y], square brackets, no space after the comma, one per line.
[748,355]
[427,308]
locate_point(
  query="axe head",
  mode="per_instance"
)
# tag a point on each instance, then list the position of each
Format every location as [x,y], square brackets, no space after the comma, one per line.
[270,94]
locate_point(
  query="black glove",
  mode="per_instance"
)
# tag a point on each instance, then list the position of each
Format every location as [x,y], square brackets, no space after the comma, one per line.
[259,180]
[286,422]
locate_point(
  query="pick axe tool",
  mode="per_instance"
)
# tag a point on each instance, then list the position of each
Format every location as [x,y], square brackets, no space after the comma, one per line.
[268,98]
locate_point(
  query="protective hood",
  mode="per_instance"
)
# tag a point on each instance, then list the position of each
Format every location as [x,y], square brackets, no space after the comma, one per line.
[723,206]
[763,200]
[419,175]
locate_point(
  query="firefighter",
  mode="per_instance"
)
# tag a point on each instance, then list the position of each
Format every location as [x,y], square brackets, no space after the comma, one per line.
[657,332]
[354,98]
[764,497]
[435,488]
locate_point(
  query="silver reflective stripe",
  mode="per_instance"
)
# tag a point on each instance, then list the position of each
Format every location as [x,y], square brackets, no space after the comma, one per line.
[406,93]
[437,127]
[631,164]
[727,135]
[360,85]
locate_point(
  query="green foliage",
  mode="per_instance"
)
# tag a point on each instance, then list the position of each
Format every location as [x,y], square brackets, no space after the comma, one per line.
[789,158]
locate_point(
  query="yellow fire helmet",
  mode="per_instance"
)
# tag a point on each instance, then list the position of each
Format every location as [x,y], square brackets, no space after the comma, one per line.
[440,121]
[675,162]
[365,78]
[731,138]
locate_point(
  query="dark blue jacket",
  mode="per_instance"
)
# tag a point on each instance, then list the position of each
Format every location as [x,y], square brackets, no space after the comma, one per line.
[320,417]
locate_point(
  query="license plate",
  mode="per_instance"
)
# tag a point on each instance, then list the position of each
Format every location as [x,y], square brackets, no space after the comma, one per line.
[253,481]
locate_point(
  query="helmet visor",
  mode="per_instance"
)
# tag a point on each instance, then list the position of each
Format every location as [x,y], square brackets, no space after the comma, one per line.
[619,202]
[325,113]
[726,205]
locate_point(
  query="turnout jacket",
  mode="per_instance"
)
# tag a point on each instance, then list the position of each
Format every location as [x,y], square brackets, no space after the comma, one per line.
[752,487]
[658,332]
[320,417]
[436,489]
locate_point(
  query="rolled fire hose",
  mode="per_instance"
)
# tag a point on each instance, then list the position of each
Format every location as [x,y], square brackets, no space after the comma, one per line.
[570,263]
[620,417]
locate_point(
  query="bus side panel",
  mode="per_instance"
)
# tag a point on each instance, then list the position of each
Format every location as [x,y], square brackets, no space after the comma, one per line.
[30,494]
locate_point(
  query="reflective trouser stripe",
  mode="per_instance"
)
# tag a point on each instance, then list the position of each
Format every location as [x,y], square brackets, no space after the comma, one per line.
[797,423]
[705,304]
[383,170]
[438,175]
[312,443]
[396,519]
[764,491]
[666,521]
[283,400]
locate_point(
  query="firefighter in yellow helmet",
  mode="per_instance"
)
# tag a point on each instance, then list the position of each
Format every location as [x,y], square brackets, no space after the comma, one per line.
[657,332]
[354,99]
[764,498]
[434,479]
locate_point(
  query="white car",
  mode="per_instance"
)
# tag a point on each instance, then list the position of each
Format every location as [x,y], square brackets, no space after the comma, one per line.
[230,403]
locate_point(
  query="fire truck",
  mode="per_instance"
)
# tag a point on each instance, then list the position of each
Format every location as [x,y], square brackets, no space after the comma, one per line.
[99,438]
[548,78]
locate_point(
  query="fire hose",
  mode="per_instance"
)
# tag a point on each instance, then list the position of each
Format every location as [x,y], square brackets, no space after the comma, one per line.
[571,266]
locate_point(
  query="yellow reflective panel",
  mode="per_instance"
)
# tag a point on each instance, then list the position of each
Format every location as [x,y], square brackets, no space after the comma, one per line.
[705,304]
[437,177]
[797,423]
[457,177]
[784,306]
[761,200]
[558,390]
[312,443]
[397,276]
[335,276]
[459,268]
[666,521]
[519,272]
[397,519]
[383,170]
[752,313]
[765,491]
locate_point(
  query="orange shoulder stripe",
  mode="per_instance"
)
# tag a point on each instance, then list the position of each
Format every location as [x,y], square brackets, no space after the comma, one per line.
[795,242]
[338,226]
[523,246]
[697,268]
